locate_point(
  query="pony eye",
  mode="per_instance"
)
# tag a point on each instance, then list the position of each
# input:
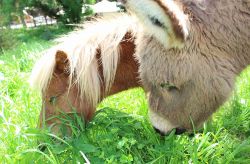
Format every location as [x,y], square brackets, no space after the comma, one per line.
[52,100]
[156,21]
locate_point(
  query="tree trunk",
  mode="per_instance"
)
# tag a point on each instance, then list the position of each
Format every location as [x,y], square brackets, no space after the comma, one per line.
[34,21]
[46,21]
[23,21]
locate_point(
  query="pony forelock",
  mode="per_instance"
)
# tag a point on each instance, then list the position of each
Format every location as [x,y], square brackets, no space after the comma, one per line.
[81,47]
[43,70]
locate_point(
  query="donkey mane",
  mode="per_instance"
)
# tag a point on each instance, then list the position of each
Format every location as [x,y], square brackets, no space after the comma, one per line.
[81,47]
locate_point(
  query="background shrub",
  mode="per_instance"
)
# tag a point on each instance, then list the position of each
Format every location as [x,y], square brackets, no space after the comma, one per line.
[7,39]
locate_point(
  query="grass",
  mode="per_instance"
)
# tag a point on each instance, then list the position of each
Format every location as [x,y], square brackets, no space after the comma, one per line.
[120,132]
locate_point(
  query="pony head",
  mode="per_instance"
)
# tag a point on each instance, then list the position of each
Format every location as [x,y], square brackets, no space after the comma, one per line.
[60,98]
[86,66]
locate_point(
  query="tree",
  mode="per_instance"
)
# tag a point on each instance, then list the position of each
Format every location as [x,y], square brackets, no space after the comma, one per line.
[72,10]
[6,8]
[45,7]
[10,9]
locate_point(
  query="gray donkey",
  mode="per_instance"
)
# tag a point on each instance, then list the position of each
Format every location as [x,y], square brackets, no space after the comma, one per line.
[190,53]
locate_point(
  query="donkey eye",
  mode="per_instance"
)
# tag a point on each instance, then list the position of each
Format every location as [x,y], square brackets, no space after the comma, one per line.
[168,86]
[156,21]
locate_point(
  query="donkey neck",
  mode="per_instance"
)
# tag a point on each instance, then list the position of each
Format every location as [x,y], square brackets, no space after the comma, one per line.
[222,26]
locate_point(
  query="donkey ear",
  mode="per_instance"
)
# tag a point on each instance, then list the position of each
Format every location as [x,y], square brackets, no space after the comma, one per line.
[179,20]
[62,63]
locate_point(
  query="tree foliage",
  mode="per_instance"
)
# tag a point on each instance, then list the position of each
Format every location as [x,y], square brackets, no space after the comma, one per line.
[47,7]
[71,9]
[6,8]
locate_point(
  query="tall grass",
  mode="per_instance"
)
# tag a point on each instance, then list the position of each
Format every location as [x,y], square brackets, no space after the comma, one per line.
[120,132]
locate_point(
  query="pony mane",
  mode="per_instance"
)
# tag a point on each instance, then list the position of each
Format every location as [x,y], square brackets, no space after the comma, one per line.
[104,34]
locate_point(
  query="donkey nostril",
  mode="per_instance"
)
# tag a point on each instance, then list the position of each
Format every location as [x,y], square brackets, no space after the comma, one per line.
[179,131]
[159,132]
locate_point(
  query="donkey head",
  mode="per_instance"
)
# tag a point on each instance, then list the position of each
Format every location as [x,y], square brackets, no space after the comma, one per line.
[186,85]
[164,22]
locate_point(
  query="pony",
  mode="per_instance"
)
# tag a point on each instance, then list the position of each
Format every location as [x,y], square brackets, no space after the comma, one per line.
[84,67]
[190,53]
